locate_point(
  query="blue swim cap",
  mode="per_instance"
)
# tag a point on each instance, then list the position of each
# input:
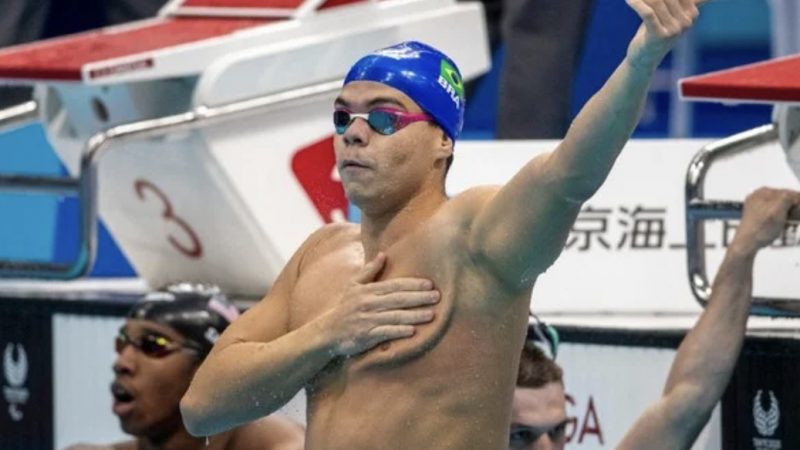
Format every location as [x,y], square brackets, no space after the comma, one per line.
[423,73]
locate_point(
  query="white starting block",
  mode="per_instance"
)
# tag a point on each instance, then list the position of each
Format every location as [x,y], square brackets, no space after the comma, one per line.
[772,82]
[213,124]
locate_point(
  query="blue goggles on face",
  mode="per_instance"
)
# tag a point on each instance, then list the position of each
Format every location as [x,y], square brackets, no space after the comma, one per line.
[383,120]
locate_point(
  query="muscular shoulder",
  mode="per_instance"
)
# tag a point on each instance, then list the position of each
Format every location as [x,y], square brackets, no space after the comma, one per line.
[336,233]
[270,433]
[321,242]
[327,239]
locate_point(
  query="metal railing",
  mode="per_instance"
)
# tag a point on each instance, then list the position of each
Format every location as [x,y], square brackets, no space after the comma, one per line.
[699,209]
[85,185]
[19,115]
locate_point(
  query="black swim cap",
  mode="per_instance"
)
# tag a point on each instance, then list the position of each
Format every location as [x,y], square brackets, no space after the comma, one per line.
[199,312]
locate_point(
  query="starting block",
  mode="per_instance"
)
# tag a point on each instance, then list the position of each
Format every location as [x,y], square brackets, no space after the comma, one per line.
[772,82]
[203,136]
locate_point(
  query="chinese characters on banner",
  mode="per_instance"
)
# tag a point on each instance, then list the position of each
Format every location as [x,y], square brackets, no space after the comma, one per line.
[640,227]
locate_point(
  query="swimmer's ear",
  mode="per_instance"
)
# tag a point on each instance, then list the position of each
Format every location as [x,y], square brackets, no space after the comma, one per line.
[444,145]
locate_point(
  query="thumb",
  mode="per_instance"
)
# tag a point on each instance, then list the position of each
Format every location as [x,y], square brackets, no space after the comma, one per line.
[371,269]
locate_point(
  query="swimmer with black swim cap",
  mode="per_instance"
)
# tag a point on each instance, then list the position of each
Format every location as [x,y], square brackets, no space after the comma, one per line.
[166,335]
[198,312]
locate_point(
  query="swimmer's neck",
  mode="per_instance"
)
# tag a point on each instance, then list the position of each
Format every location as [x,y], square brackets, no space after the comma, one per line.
[381,228]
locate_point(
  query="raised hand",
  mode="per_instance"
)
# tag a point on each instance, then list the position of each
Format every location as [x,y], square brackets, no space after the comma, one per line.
[663,22]
[764,218]
[371,312]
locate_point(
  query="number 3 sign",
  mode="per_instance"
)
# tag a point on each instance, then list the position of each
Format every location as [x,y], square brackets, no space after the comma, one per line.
[195,248]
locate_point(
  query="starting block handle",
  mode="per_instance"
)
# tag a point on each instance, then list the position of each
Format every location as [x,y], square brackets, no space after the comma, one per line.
[85,186]
[699,209]
[17,117]
[62,186]
[39,184]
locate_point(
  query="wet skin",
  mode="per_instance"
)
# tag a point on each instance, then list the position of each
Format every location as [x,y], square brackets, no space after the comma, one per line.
[450,385]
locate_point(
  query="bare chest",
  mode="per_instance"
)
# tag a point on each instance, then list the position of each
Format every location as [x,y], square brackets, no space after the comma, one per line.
[323,282]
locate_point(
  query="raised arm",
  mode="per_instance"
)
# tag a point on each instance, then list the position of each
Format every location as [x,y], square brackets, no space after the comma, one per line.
[522,228]
[708,354]
[259,364]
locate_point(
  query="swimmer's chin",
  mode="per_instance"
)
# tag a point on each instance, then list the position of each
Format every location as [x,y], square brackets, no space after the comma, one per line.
[358,196]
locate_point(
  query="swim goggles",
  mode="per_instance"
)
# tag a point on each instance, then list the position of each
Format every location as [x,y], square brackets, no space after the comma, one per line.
[383,120]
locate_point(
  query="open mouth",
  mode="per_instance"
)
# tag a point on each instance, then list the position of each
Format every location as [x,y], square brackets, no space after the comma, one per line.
[120,393]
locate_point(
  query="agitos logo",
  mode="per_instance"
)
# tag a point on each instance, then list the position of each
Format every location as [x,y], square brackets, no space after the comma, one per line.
[766,421]
[15,370]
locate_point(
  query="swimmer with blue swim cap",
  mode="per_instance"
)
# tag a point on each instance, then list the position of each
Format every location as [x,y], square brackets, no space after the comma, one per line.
[159,347]
[405,330]
[422,74]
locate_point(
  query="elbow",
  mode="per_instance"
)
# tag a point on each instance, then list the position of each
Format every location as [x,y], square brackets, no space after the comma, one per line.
[691,405]
[195,416]
[581,190]
[575,184]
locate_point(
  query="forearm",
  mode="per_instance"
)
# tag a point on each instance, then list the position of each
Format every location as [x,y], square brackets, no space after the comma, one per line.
[708,354]
[703,365]
[601,129]
[248,380]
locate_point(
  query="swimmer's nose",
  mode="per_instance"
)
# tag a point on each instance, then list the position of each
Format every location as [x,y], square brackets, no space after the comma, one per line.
[125,363]
[357,133]
[544,443]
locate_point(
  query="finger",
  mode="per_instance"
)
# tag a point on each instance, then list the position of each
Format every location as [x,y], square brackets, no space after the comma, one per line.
[404,317]
[371,269]
[643,10]
[794,213]
[665,16]
[385,333]
[648,15]
[679,15]
[794,196]
[691,9]
[400,284]
[791,201]
[405,300]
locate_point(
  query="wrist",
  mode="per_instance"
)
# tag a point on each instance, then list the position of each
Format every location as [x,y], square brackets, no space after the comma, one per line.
[743,247]
[645,53]
[643,62]
[322,339]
